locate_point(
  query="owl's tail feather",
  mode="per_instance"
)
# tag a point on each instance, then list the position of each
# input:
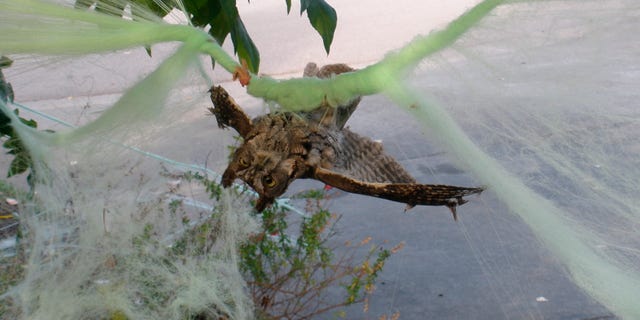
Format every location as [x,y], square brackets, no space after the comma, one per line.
[410,193]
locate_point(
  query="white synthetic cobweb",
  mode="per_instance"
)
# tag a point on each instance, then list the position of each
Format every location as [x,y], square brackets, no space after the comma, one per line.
[104,225]
[547,89]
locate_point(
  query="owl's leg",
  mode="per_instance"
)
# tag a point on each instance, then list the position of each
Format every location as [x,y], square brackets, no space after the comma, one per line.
[410,193]
[228,113]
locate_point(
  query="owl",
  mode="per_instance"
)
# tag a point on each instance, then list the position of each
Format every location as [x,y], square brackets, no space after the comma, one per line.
[280,147]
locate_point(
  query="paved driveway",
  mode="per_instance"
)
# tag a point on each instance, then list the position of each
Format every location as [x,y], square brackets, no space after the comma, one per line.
[488,265]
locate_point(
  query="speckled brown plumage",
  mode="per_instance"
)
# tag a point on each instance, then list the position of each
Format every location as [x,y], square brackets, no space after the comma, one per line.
[279,148]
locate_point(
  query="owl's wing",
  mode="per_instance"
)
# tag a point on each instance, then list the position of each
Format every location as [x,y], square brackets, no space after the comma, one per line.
[326,114]
[228,113]
[410,193]
[365,159]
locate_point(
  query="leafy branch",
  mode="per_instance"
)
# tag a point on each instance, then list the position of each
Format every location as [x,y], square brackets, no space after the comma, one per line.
[288,278]
[223,19]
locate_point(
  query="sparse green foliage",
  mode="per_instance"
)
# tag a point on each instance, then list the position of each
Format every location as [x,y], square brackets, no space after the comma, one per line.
[174,206]
[213,188]
[22,160]
[288,277]
[317,194]
[368,273]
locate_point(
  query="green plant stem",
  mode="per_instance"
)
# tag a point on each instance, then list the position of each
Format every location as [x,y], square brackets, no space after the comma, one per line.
[216,52]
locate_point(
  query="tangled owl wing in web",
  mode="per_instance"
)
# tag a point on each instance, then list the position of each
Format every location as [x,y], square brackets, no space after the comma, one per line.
[340,158]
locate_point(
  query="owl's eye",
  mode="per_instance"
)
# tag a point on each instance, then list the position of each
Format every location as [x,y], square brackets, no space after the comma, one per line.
[269,181]
[243,162]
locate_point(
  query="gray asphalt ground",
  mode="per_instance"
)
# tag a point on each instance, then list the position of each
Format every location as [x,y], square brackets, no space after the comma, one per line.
[488,265]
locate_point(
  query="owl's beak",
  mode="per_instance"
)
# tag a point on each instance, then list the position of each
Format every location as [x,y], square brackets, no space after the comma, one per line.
[227,177]
[263,202]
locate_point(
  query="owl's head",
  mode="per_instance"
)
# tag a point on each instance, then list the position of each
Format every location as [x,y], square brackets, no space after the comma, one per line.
[265,162]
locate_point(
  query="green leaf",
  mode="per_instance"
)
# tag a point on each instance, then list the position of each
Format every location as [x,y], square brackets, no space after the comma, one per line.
[13,144]
[5,127]
[322,17]
[288,6]
[31,123]
[5,62]
[19,165]
[244,46]
[202,11]
[304,4]
[220,27]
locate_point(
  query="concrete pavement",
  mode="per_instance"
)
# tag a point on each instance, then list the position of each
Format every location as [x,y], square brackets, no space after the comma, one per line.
[486,266]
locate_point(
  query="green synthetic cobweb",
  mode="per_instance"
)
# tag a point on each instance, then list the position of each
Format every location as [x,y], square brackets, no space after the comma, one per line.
[546,120]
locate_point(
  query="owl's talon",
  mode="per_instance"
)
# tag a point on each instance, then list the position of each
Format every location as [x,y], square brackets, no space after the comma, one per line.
[452,207]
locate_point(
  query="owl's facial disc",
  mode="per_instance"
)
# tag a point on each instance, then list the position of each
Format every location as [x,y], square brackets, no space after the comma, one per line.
[269,177]
[260,169]
[268,170]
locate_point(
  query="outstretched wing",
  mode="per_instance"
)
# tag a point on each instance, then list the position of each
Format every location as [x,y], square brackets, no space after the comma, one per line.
[326,114]
[410,193]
